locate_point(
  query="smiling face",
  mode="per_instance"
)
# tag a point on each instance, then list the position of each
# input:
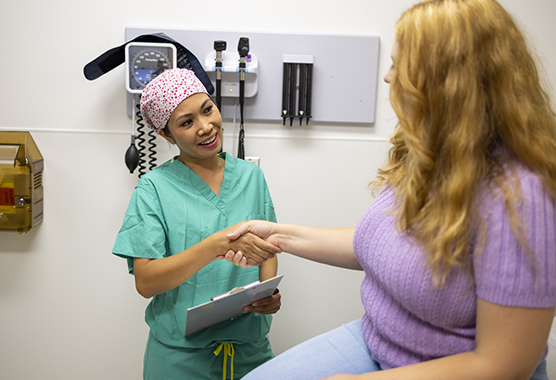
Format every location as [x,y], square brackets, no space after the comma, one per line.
[195,127]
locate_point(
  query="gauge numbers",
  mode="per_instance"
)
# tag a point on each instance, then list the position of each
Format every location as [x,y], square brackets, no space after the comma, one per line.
[145,61]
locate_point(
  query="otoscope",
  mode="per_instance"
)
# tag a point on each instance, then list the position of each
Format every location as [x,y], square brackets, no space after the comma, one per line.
[243,50]
[219,46]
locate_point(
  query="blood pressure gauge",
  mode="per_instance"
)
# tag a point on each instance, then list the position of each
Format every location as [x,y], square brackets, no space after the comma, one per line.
[145,61]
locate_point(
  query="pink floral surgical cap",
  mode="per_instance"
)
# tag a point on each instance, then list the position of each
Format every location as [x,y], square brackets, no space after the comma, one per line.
[165,92]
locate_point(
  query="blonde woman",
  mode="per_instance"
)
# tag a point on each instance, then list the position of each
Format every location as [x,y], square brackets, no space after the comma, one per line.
[459,247]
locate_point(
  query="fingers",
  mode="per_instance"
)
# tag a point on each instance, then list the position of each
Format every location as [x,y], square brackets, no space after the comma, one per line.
[266,246]
[250,254]
[254,248]
[238,259]
[222,257]
[252,263]
[261,228]
[241,230]
[268,305]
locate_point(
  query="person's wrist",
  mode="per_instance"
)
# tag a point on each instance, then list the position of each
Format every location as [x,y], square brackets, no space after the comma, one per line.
[218,244]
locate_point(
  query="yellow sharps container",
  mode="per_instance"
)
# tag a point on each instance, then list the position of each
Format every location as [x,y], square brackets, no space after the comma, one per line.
[21,190]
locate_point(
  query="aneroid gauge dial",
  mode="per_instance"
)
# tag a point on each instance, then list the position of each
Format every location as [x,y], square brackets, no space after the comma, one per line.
[145,61]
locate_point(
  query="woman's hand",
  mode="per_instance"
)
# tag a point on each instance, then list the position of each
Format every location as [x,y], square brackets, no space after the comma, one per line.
[261,228]
[255,250]
[255,233]
[268,305]
[251,249]
[331,246]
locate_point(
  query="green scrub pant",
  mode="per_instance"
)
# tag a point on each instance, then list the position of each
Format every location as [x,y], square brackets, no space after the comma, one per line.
[163,362]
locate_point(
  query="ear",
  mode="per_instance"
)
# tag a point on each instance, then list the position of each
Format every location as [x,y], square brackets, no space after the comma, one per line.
[166,136]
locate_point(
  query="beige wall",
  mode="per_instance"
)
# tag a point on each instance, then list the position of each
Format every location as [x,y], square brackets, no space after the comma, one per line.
[68,308]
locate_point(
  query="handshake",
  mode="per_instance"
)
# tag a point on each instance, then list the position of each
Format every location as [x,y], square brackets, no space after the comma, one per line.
[250,243]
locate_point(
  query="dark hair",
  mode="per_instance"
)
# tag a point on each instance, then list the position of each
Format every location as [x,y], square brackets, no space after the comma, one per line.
[166,129]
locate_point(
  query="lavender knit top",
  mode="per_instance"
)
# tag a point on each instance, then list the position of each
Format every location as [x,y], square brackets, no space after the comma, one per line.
[407,320]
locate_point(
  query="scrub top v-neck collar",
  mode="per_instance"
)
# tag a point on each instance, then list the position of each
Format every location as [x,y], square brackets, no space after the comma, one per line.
[219,200]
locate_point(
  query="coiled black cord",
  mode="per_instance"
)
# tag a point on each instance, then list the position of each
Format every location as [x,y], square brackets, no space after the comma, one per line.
[141,141]
[152,151]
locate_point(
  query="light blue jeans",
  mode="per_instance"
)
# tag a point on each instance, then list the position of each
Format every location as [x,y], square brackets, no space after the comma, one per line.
[342,350]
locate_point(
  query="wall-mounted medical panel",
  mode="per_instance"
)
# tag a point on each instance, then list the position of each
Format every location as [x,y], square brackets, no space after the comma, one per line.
[344,75]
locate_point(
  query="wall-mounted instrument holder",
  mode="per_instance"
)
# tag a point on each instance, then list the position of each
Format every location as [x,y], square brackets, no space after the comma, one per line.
[297,87]
[344,75]
[230,76]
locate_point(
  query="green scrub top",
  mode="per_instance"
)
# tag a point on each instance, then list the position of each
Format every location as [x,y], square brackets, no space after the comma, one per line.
[171,210]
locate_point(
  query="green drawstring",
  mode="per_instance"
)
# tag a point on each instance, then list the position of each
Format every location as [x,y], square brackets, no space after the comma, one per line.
[228,351]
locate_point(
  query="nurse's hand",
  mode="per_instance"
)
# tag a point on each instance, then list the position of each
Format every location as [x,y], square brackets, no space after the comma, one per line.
[260,228]
[268,305]
[254,249]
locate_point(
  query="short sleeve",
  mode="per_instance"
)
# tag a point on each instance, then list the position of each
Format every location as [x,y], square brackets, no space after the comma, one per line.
[505,272]
[142,234]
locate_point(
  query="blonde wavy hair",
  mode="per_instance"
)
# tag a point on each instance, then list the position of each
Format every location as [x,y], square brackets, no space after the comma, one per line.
[464,84]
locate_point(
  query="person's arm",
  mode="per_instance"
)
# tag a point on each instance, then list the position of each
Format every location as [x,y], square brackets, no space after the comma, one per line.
[268,269]
[156,276]
[332,246]
[510,342]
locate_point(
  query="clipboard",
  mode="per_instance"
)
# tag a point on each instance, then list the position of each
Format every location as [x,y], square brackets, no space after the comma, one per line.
[228,305]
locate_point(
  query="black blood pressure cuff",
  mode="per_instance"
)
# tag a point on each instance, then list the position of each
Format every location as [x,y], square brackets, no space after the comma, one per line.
[116,56]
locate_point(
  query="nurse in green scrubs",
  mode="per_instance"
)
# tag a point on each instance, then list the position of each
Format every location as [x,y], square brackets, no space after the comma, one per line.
[174,233]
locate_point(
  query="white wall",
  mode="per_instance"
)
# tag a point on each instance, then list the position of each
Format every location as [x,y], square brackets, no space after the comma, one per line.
[68,308]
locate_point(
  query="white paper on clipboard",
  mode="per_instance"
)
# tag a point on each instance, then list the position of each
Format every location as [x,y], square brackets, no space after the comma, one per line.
[228,305]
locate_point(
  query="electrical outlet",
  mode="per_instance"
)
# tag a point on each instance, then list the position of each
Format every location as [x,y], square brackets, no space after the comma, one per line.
[254,160]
